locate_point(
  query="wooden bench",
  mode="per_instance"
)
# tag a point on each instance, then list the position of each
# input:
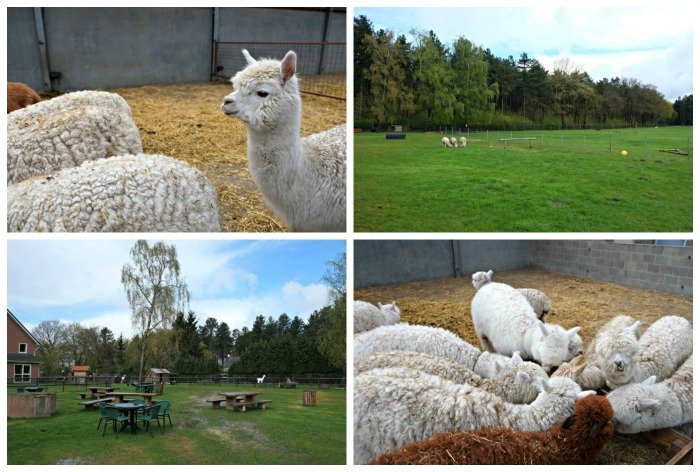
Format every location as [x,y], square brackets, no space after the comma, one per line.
[89,404]
[257,403]
[83,395]
[216,402]
[505,140]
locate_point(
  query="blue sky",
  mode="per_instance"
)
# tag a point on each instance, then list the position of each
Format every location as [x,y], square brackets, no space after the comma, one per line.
[232,281]
[653,45]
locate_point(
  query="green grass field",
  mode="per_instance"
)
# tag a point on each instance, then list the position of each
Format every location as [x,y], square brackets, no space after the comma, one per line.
[286,432]
[568,182]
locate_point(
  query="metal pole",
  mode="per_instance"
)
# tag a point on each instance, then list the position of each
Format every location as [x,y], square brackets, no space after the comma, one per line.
[215,42]
[325,38]
[41,38]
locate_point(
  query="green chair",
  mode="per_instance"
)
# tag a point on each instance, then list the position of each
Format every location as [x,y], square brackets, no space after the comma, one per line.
[113,415]
[149,414]
[165,411]
[20,389]
[103,413]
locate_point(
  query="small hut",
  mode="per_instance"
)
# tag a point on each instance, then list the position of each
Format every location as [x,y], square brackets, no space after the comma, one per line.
[80,373]
[157,375]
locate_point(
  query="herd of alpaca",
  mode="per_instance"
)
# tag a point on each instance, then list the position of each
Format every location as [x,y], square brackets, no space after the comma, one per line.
[422,395]
[453,143]
[76,162]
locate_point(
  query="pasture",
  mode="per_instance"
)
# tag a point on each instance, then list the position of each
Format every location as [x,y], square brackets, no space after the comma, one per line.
[568,181]
[286,432]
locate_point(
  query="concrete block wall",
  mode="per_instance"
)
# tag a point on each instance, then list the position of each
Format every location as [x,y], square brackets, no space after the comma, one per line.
[385,262]
[664,268]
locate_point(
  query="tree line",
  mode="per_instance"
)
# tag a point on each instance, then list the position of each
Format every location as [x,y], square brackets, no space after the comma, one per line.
[427,83]
[172,338]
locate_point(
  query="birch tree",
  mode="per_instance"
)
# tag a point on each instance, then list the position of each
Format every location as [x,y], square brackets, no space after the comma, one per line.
[154,289]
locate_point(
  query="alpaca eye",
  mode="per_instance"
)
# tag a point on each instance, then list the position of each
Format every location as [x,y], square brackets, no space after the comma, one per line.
[263,94]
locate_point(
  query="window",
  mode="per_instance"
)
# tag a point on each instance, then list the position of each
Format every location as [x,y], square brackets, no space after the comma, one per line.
[23,372]
[22,348]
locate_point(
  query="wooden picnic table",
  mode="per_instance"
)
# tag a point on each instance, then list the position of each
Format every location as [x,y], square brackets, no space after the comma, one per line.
[240,400]
[95,391]
[120,396]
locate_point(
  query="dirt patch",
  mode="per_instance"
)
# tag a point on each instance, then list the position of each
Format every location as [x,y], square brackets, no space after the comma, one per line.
[184,121]
[576,301]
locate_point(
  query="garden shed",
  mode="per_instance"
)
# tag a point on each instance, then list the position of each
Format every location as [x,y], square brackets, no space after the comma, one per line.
[80,373]
[157,375]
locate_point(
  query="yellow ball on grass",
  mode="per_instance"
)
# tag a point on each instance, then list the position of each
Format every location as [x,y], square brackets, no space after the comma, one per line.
[623,153]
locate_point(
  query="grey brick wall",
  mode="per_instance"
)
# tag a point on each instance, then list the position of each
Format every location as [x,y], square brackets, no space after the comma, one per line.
[665,268]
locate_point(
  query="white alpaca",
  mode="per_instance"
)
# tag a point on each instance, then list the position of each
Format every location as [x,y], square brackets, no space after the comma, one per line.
[462,141]
[261,379]
[453,142]
[446,142]
[302,180]
[504,320]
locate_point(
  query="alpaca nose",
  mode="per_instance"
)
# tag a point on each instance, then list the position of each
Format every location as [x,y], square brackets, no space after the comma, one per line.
[618,363]
[228,101]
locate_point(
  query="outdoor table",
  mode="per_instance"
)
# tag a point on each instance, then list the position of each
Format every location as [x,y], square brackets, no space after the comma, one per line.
[132,408]
[33,389]
[94,391]
[234,398]
[120,396]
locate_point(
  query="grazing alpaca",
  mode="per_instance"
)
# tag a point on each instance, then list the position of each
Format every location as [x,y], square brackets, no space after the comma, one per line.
[261,379]
[302,180]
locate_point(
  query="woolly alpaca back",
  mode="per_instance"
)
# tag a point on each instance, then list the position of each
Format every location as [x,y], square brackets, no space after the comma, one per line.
[576,441]
[394,406]
[427,339]
[662,348]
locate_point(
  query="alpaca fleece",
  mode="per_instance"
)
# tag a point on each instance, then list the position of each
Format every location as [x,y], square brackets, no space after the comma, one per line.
[20,95]
[142,193]
[508,385]
[396,406]
[578,440]
[430,340]
[68,130]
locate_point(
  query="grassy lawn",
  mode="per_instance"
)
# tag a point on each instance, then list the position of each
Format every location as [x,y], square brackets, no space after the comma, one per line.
[286,432]
[568,182]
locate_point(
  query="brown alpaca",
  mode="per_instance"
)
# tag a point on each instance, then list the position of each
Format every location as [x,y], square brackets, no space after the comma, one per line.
[19,96]
[578,440]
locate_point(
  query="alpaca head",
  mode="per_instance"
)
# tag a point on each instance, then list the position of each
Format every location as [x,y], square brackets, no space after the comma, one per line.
[616,352]
[266,93]
[592,419]
[641,407]
[390,307]
[479,279]
[551,348]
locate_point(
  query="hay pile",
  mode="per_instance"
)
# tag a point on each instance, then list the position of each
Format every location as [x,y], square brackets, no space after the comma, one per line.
[576,301]
[184,121]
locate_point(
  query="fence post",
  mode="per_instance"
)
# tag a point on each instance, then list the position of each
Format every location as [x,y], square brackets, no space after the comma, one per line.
[646,151]
[610,145]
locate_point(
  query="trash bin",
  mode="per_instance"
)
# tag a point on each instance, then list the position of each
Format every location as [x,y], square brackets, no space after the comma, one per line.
[309,397]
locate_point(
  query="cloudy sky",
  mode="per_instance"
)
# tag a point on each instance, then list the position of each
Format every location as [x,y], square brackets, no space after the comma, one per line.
[232,281]
[653,45]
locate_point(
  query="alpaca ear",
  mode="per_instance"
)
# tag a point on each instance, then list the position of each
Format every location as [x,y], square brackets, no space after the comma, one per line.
[248,58]
[650,381]
[544,330]
[633,329]
[572,332]
[543,384]
[516,358]
[288,66]
[379,304]
[584,394]
[645,403]
[524,376]
[489,274]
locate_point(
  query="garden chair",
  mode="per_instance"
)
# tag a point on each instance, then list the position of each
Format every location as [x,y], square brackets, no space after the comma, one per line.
[20,389]
[113,415]
[149,414]
[165,411]
[103,413]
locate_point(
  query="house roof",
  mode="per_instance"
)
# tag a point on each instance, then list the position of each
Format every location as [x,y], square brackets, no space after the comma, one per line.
[22,358]
[80,368]
[157,370]
[19,323]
